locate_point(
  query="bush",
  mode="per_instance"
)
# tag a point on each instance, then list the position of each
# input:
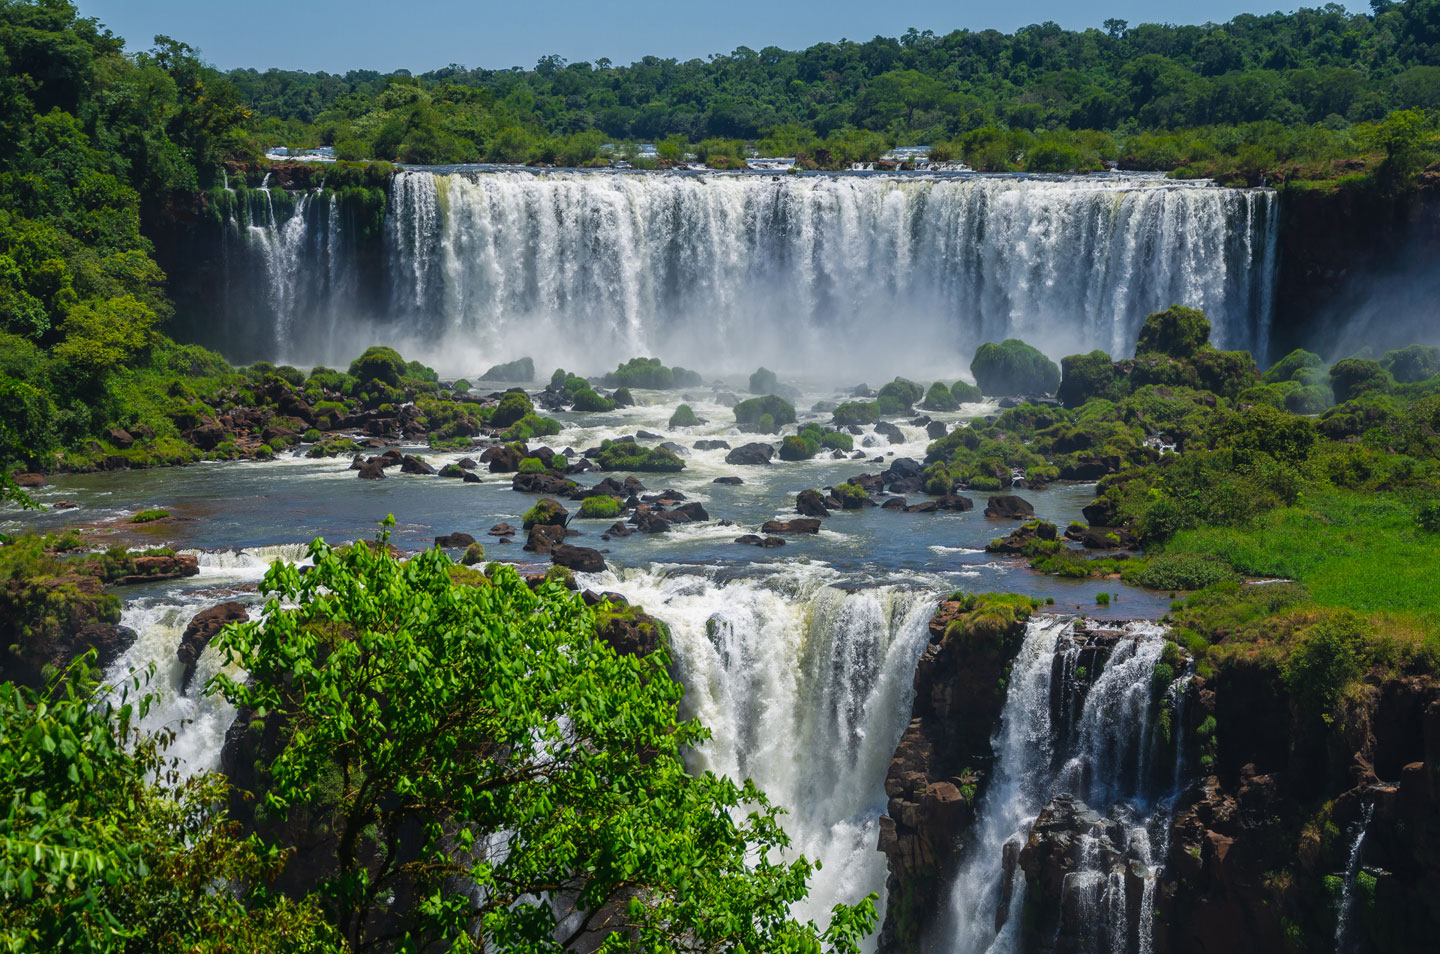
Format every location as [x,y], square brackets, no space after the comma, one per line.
[752,410]
[1353,377]
[907,393]
[604,508]
[966,393]
[381,364]
[627,455]
[149,516]
[1088,376]
[521,370]
[588,399]
[836,440]
[1292,365]
[1415,363]
[1429,517]
[1330,657]
[764,381]
[857,412]
[940,398]
[1176,332]
[1013,367]
[461,386]
[797,447]
[1183,571]
[650,373]
[533,465]
[512,407]
[684,417]
[531,426]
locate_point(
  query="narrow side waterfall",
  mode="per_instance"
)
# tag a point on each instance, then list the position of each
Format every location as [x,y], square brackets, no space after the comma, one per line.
[1344,942]
[806,689]
[1070,833]
[723,272]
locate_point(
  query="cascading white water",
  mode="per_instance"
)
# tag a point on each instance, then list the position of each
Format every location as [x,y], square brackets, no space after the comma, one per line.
[594,268]
[806,689]
[1346,914]
[1075,744]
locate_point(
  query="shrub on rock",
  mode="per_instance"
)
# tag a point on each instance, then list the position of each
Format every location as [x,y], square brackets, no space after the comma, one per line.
[379,363]
[940,398]
[513,406]
[588,399]
[521,369]
[753,410]
[1013,367]
[764,381]
[965,393]
[1176,332]
[1353,377]
[684,417]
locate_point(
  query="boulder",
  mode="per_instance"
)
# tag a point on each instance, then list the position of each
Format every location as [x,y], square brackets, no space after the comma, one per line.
[712,445]
[733,481]
[544,537]
[29,480]
[452,470]
[207,436]
[801,525]
[454,541]
[502,530]
[1016,541]
[547,510]
[467,463]
[542,484]
[751,454]
[955,502]
[936,430]
[415,465]
[1009,507]
[201,629]
[811,503]
[890,432]
[474,554]
[371,470]
[651,522]
[120,437]
[898,503]
[767,543]
[582,559]
[502,458]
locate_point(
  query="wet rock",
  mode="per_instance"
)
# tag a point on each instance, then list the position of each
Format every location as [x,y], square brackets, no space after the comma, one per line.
[1009,507]
[161,567]
[547,510]
[470,477]
[811,503]
[502,530]
[648,436]
[452,470]
[544,537]
[676,449]
[733,481]
[619,530]
[936,430]
[651,523]
[890,432]
[120,437]
[750,454]
[712,445]
[898,503]
[766,543]
[542,484]
[415,465]
[202,628]
[502,458]
[955,502]
[207,436]
[801,525]
[1016,541]
[65,505]
[371,470]
[581,559]
[466,463]
[454,541]
[29,481]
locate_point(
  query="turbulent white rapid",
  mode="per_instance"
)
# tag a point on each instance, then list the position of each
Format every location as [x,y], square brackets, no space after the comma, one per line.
[794,272]
[806,688]
[1078,805]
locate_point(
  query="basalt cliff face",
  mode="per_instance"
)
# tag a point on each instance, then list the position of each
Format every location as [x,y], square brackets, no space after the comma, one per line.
[1215,815]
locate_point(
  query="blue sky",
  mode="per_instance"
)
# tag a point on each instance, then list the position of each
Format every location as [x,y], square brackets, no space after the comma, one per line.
[419,35]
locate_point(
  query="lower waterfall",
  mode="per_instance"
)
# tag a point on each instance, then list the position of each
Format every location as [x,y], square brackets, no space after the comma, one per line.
[1077,809]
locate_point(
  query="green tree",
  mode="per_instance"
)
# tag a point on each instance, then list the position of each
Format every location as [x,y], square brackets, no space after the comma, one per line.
[466,749]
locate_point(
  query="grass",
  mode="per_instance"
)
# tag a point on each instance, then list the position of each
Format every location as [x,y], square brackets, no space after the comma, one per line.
[1364,551]
[149,516]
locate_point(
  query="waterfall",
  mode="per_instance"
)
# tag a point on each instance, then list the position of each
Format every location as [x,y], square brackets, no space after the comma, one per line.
[1077,793]
[1343,942]
[723,272]
[806,689]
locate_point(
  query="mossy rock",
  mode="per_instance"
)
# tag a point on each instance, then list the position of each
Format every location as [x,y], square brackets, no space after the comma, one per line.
[684,416]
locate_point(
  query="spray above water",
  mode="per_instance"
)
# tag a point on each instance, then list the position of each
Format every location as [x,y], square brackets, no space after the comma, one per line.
[726,272]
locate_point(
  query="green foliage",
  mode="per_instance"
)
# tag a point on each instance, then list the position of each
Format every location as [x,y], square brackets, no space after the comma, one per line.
[1177,332]
[629,456]
[1102,599]
[752,410]
[1182,571]
[1353,377]
[521,370]
[857,412]
[905,393]
[650,373]
[573,752]
[764,381]
[799,447]
[965,393]
[104,848]
[587,399]
[533,465]
[607,508]
[546,511]
[1428,517]
[530,427]
[1330,657]
[1291,367]
[1087,376]
[684,417]
[149,516]
[1013,367]
[379,363]
[837,440]
[513,406]
[1414,363]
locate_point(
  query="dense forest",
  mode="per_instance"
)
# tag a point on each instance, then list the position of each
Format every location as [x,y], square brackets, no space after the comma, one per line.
[1305,87]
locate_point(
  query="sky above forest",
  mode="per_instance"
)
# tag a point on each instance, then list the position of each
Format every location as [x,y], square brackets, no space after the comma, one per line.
[421,35]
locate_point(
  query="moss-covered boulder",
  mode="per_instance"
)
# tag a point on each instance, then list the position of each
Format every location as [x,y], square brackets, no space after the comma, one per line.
[1176,332]
[547,512]
[513,406]
[940,398]
[521,370]
[764,381]
[381,364]
[590,400]
[750,412]
[906,393]
[1013,367]
[966,393]
[1415,363]
[1353,377]
[627,455]
[1093,375]
[684,416]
